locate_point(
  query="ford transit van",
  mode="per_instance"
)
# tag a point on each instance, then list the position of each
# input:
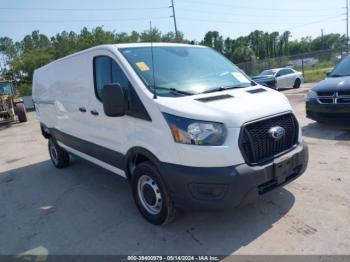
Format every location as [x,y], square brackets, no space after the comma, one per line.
[183,124]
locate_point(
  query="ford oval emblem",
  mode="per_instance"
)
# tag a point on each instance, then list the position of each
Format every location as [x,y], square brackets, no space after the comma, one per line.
[277,132]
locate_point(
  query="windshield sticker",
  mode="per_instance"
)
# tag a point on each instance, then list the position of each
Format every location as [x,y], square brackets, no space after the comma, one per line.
[240,77]
[142,66]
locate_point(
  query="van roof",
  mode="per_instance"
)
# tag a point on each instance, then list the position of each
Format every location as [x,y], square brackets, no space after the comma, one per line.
[154,44]
[117,46]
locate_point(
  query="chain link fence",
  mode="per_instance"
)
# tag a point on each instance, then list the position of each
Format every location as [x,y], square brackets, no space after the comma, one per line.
[314,65]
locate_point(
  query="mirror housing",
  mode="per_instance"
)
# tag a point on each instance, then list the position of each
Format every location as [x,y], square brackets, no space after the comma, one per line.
[114,102]
[328,73]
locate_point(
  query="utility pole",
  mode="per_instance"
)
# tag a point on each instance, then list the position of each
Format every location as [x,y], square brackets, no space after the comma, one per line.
[174,17]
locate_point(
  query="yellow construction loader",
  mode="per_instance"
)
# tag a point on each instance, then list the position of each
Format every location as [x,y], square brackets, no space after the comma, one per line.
[11,105]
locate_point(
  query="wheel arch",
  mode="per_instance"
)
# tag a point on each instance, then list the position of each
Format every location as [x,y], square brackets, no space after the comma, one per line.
[45,131]
[297,82]
[137,155]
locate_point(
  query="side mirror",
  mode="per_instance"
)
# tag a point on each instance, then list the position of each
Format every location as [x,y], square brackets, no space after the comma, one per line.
[328,73]
[114,103]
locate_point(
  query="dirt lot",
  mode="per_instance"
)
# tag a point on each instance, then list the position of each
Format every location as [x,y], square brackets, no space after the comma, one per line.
[86,210]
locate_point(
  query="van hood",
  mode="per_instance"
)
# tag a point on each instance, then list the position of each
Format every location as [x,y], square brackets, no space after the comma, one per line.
[232,107]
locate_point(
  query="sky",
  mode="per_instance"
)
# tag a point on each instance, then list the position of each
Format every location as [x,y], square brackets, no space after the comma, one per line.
[232,18]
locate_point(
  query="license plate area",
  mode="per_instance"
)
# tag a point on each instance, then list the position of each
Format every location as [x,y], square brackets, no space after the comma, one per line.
[283,169]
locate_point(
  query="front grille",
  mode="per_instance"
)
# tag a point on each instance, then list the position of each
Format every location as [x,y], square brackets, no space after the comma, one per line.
[344,100]
[326,100]
[339,97]
[325,93]
[256,144]
[344,93]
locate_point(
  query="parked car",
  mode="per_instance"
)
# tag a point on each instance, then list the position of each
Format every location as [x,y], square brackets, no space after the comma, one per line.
[280,78]
[183,124]
[268,80]
[329,100]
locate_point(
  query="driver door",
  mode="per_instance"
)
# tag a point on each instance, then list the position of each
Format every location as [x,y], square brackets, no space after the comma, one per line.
[105,135]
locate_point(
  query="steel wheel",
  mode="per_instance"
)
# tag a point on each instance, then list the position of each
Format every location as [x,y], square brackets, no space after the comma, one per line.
[59,157]
[149,194]
[53,154]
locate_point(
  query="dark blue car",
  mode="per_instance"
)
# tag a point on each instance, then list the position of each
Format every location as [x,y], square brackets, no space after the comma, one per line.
[329,100]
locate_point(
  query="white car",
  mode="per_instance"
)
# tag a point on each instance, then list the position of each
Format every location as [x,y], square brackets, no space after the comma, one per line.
[180,122]
[285,77]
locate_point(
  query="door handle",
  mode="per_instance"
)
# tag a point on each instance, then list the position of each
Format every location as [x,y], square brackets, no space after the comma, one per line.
[82,109]
[94,112]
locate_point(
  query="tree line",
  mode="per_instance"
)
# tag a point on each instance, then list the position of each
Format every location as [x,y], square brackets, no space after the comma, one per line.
[20,59]
[259,45]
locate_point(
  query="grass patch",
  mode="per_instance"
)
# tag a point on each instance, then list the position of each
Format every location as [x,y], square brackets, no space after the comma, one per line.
[315,75]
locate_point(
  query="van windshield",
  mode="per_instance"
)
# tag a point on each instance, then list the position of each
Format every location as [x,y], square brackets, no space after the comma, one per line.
[184,70]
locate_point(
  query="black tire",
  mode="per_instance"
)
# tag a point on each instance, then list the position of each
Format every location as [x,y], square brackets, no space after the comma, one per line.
[59,157]
[160,210]
[297,83]
[21,112]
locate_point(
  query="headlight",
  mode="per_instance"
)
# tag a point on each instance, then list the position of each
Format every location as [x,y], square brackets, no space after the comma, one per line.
[195,132]
[311,94]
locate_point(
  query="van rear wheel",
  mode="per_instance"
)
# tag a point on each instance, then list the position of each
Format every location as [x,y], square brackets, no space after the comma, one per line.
[151,195]
[59,157]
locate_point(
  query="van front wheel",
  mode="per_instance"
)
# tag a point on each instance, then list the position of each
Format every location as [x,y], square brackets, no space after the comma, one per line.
[151,195]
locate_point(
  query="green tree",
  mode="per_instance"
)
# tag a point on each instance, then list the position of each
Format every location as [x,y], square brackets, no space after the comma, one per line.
[243,54]
[8,52]
[171,37]
[153,35]
[213,39]
[25,65]
[64,44]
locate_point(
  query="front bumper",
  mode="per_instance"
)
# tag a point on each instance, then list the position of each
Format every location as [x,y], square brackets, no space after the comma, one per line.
[270,84]
[228,187]
[327,112]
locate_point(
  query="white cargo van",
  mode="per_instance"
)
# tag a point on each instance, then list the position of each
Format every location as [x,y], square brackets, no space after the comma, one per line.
[184,125]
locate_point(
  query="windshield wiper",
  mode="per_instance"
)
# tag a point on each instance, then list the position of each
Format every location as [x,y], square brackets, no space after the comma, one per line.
[174,90]
[224,88]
